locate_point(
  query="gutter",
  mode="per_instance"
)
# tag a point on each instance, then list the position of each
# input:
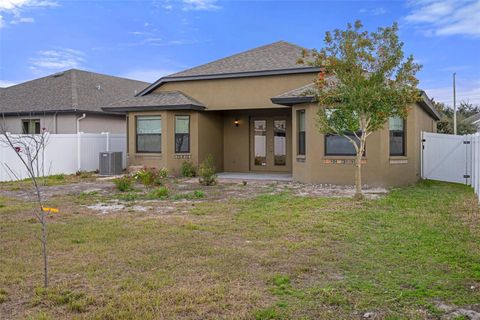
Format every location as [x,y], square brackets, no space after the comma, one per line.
[79,148]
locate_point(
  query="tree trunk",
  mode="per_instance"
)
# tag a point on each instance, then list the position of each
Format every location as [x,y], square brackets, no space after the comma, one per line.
[358,176]
[44,251]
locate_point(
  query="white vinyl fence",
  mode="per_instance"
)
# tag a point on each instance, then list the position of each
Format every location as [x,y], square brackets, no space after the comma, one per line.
[452,158]
[64,153]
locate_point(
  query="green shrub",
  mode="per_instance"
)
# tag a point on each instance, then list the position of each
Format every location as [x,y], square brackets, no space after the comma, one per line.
[158,193]
[206,172]
[150,176]
[124,183]
[199,194]
[188,169]
[128,196]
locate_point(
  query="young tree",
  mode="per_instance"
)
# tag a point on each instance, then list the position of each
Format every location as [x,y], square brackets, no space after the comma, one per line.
[30,150]
[365,80]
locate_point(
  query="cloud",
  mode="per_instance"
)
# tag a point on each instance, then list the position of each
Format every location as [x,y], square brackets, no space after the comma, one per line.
[378,11]
[57,59]
[467,91]
[148,75]
[445,17]
[197,5]
[23,20]
[13,9]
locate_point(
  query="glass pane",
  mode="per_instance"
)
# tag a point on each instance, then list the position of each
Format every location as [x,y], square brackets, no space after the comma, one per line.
[260,143]
[147,124]
[301,120]
[149,143]
[338,145]
[182,124]
[395,123]
[396,143]
[182,143]
[301,143]
[280,142]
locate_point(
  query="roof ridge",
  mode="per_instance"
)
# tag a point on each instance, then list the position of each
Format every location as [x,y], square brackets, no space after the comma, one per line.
[235,55]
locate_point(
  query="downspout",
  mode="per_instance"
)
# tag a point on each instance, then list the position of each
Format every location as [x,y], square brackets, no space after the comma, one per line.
[79,155]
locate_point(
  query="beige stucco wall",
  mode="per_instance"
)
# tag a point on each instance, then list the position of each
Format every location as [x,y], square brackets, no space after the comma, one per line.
[67,123]
[239,93]
[380,168]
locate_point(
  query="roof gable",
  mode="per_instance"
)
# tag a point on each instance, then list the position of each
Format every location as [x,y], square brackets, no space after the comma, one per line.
[276,58]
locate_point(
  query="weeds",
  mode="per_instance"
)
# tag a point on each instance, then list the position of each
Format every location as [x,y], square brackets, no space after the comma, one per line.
[124,183]
[206,171]
[188,169]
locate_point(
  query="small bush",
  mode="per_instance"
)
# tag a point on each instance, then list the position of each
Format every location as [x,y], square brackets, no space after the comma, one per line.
[188,169]
[206,172]
[3,295]
[158,193]
[58,177]
[199,194]
[124,184]
[128,196]
[150,176]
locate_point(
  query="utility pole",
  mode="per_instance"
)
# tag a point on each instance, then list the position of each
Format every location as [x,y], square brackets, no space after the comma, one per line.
[454,107]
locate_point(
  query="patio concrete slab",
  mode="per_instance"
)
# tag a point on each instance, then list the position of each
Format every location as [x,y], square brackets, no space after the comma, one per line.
[260,176]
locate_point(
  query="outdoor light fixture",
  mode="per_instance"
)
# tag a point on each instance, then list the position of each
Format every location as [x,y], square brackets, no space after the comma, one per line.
[236,122]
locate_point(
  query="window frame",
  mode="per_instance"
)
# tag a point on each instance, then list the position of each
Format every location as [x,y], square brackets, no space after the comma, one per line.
[404,149]
[299,113]
[146,134]
[175,134]
[29,121]
[354,154]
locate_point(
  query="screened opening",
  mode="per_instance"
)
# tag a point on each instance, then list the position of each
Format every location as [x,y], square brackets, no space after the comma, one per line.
[397,136]
[182,134]
[260,142]
[149,134]
[280,142]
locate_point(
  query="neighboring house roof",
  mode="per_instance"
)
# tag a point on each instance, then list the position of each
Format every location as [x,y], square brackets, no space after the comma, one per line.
[72,90]
[276,58]
[166,100]
[475,119]
[306,94]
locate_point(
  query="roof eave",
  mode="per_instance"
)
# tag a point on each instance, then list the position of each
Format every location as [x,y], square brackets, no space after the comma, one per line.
[155,108]
[290,101]
[160,81]
[428,106]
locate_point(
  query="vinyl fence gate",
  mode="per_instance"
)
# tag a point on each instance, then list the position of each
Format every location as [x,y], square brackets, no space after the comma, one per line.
[452,158]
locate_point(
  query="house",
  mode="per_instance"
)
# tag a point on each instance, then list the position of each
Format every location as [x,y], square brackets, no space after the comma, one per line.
[251,113]
[474,120]
[66,102]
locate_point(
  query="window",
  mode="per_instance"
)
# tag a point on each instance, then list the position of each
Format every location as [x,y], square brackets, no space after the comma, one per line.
[260,142]
[149,134]
[182,134]
[397,136]
[31,126]
[301,132]
[336,145]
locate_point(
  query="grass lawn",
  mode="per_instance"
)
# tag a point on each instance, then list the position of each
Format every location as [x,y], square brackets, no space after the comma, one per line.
[274,256]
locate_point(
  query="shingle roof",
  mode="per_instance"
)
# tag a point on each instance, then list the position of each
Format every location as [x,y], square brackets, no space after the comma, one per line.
[276,58]
[472,119]
[72,90]
[166,100]
[306,94]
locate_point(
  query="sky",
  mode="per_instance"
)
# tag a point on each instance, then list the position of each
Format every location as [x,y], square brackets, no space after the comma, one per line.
[146,40]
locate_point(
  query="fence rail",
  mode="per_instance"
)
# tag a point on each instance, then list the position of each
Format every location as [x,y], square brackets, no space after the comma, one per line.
[64,153]
[452,158]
